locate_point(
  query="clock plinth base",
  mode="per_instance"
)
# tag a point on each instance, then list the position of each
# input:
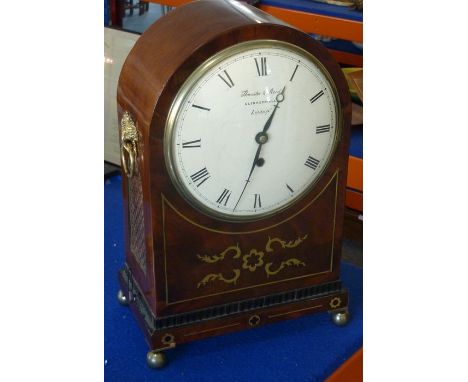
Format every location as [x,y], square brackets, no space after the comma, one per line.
[164,333]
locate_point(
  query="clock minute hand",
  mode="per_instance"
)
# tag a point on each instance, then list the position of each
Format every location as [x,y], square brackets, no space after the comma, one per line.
[257,155]
[261,138]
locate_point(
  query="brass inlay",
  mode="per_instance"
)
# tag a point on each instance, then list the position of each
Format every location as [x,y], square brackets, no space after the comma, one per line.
[254,320]
[220,277]
[284,244]
[257,256]
[286,263]
[294,311]
[211,330]
[249,287]
[215,258]
[334,221]
[165,201]
[167,339]
[252,260]
[335,302]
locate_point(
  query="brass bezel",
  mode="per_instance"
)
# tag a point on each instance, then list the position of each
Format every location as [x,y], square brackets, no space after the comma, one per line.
[182,96]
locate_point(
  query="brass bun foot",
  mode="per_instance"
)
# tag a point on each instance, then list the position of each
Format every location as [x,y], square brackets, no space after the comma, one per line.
[156,360]
[340,318]
[123,300]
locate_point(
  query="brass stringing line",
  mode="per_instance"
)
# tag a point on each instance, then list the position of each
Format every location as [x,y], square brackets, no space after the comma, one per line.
[212,329]
[294,311]
[253,231]
[334,219]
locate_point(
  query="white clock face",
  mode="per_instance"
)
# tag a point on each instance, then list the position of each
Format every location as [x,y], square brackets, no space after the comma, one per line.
[252,130]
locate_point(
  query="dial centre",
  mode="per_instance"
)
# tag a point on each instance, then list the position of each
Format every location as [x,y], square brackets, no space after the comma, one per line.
[261,138]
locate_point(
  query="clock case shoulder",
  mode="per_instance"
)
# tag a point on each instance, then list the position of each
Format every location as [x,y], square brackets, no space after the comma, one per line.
[158,65]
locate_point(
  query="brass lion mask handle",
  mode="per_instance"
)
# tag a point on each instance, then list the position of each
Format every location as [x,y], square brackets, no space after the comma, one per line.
[128,144]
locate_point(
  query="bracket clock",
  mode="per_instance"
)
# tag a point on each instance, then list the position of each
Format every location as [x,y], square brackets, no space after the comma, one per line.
[234,131]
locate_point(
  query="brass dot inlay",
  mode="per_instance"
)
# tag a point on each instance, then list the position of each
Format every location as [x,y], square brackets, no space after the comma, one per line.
[335,302]
[167,339]
[254,320]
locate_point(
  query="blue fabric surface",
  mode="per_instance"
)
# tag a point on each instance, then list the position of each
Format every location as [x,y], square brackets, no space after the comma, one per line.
[305,349]
[355,146]
[319,8]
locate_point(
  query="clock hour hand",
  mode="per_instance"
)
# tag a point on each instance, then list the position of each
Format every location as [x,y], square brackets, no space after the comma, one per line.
[279,99]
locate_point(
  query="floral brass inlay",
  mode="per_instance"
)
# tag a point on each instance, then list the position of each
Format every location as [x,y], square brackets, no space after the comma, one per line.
[283,264]
[283,243]
[252,260]
[215,258]
[219,276]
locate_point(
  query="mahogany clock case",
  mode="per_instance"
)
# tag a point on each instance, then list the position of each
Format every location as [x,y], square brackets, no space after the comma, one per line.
[188,275]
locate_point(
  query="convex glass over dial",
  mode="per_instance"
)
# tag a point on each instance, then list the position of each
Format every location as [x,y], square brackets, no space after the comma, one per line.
[252,130]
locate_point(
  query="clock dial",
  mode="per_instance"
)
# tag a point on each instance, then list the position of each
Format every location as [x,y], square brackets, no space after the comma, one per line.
[252,130]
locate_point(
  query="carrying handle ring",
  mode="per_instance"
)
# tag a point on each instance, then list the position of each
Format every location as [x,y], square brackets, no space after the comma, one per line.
[128,150]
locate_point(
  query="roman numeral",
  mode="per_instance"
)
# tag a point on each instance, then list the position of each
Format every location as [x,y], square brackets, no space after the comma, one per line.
[228,81]
[200,107]
[200,176]
[191,144]
[258,201]
[312,162]
[316,97]
[224,197]
[262,68]
[322,129]
[294,73]
[289,188]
